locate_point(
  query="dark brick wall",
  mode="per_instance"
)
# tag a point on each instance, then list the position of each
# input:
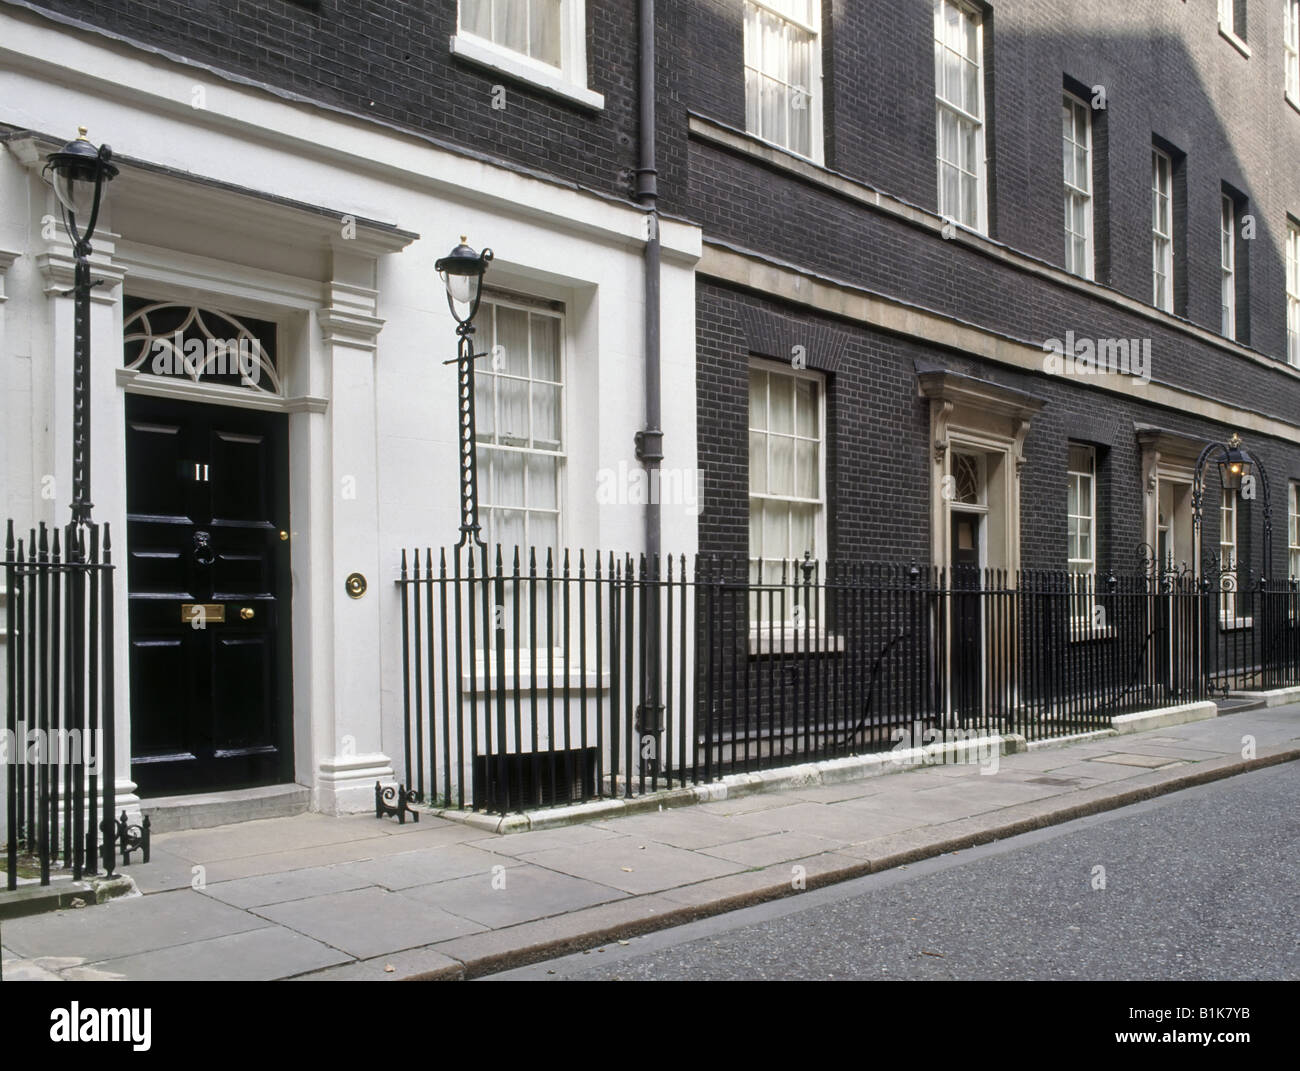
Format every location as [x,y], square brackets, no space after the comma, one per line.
[825,232]
[1166,73]
[391,60]
[878,467]
[1228,126]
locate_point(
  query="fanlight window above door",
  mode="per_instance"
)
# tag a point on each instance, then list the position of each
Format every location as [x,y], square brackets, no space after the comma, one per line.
[967,479]
[201,345]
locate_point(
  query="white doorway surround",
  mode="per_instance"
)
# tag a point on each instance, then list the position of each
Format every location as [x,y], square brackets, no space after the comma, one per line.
[326,317]
[1168,467]
[977,440]
[986,422]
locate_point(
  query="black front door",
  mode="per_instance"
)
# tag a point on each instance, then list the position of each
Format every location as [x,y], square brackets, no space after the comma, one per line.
[967,634]
[208,579]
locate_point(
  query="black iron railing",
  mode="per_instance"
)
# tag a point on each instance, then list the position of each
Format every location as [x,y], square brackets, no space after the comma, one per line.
[59,716]
[527,676]
[524,679]
[1250,634]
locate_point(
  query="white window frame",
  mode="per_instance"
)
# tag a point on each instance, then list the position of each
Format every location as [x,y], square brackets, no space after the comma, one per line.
[1293,293]
[816,148]
[1291,49]
[492,302]
[1083,625]
[1228,267]
[1071,106]
[1228,532]
[1228,27]
[1228,563]
[762,628]
[1073,474]
[1293,530]
[1162,242]
[980,223]
[568,80]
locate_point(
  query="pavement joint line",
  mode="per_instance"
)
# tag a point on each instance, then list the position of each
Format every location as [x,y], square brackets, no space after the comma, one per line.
[160,843]
[480,966]
[160,948]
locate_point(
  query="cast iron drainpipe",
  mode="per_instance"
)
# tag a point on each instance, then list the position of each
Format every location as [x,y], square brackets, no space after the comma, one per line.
[649,442]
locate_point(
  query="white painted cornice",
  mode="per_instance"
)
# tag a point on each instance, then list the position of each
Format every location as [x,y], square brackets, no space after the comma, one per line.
[1169,443]
[978,394]
[223,206]
[186,390]
[191,277]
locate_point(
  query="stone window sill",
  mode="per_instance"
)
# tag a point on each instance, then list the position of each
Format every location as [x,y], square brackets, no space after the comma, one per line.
[1235,41]
[1083,630]
[503,61]
[772,640]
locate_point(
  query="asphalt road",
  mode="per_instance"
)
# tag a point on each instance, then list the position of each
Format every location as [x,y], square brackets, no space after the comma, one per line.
[1202,884]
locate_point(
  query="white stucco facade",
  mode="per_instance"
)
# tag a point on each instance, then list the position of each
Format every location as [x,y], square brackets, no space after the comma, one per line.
[328,226]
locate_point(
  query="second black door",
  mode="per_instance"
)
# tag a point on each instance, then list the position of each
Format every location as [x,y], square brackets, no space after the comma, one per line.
[967,631]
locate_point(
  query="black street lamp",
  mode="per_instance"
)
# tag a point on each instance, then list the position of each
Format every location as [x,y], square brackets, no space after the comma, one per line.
[1235,466]
[79,173]
[462,273]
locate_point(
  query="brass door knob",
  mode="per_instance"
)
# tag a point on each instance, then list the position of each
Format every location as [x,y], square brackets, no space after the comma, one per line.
[284,537]
[247,613]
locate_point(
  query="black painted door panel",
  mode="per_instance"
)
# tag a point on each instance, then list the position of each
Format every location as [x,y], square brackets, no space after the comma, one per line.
[207,500]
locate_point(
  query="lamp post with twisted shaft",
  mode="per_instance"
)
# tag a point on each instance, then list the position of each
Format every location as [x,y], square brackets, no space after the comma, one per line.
[462,273]
[79,173]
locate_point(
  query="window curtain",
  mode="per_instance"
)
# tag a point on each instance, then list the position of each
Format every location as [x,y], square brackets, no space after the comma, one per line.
[779,75]
[532,27]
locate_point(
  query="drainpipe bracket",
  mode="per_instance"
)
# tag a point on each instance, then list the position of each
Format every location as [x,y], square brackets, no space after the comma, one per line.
[649,719]
[650,445]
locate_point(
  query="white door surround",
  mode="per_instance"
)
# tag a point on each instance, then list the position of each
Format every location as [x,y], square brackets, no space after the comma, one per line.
[972,416]
[327,326]
[1168,468]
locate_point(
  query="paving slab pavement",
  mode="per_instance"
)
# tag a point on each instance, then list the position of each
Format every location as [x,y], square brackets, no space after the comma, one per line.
[317,897]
